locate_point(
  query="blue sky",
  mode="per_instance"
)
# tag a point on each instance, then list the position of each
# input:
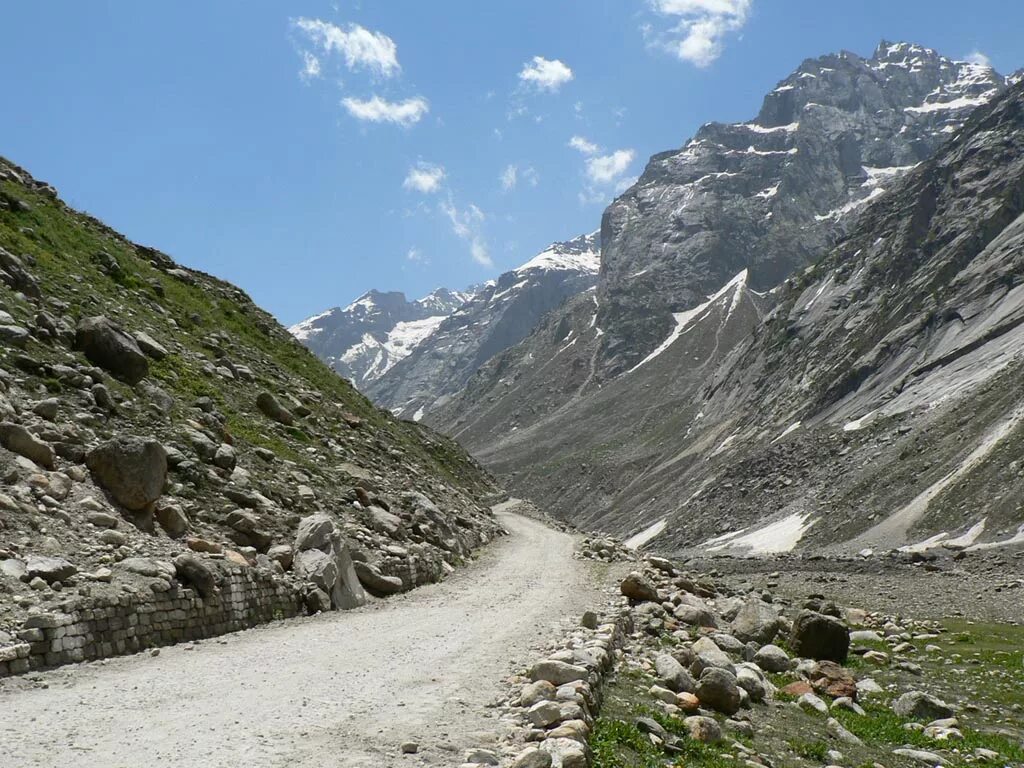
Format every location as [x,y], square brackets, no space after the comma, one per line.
[308,151]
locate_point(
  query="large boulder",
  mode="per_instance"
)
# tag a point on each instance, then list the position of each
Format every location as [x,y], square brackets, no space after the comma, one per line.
[718,689]
[922,706]
[756,622]
[673,674]
[817,636]
[323,558]
[19,440]
[133,469]
[49,569]
[375,581]
[271,408]
[108,346]
[638,588]
[195,572]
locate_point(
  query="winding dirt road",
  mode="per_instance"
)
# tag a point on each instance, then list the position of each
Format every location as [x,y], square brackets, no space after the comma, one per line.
[340,690]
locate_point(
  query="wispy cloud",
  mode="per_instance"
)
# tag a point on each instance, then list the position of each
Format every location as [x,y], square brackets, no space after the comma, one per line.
[310,66]
[699,27]
[415,255]
[467,224]
[581,144]
[360,48]
[378,110]
[545,74]
[424,177]
[513,175]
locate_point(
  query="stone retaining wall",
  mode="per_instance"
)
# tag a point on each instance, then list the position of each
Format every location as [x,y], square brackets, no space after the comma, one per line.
[100,627]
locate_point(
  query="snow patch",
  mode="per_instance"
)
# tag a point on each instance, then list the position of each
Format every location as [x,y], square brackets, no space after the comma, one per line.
[791,428]
[858,424]
[685,319]
[646,535]
[307,329]
[781,536]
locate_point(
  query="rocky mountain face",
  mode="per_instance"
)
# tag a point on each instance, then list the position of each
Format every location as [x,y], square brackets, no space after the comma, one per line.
[365,339]
[866,401]
[162,435]
[768,196]
[498,316]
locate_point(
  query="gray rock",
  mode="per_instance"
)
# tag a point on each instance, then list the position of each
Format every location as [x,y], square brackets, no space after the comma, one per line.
[108,346]
[247,530]
[19,440]
[47,409]
[540,690]
[717,688]
[323,558]
[150,346]
[756,622]
[544,713]
[817,636]
[14,335]
[835,728]
[921,756]
[771,658]
[557,672]
[195,572]
[172,518]
[532,757]
[638,588]
[673,674]
[224,457]
[922,706]
[49,569]
[271,408]
[375,581]
[703,729]
[694,616]
[133,469]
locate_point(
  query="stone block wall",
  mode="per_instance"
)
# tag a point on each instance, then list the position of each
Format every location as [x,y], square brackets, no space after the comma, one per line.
[101,627]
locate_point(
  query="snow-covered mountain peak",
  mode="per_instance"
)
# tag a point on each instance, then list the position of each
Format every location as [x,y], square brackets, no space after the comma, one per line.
[582,254]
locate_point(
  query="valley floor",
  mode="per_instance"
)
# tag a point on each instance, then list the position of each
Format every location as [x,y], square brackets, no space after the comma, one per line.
[341,689]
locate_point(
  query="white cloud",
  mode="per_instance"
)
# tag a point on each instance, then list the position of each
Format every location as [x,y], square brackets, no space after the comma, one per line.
[700,27]
[415,255]
[378,110]
[977,57]
[605,169]
[467,225]
[530,176]
[509,177]
[545,74]
[425,178]
[310,66]
[583,145]
[360,47]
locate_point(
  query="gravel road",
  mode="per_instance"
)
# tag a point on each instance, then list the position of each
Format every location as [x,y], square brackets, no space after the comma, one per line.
[340,690]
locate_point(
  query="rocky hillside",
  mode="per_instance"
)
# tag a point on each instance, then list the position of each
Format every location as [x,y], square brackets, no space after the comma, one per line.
[364,340]
[158,429]
[498,316]
[867,402]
